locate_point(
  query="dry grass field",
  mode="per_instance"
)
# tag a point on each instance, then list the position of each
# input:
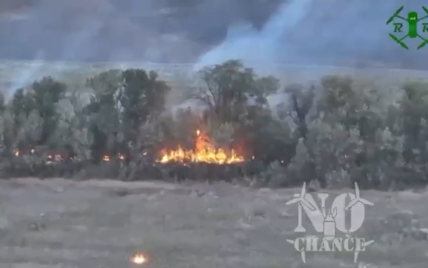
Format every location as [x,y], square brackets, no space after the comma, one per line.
[58,223]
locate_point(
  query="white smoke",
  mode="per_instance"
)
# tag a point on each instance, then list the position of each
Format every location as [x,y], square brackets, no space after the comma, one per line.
[257,47]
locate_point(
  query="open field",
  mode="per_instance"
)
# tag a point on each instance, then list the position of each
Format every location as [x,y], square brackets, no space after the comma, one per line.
[101,224]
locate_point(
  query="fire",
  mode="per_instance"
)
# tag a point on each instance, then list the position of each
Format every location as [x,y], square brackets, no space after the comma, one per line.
[204,152]
[139,259]
[106,158]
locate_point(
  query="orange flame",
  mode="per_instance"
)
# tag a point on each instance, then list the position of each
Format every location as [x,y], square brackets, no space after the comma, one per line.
[106,158]
[204,152]
[139,259]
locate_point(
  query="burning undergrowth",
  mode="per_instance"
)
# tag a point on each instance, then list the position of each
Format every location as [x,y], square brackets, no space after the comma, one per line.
[205,160]
[204,152]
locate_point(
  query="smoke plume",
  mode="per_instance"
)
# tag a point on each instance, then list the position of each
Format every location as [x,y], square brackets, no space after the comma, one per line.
[330,32]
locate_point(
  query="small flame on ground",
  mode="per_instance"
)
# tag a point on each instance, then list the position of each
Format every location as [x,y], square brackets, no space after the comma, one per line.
[106,158]
[139,259]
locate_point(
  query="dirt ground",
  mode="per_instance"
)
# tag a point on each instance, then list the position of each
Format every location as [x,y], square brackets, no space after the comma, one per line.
[97,224]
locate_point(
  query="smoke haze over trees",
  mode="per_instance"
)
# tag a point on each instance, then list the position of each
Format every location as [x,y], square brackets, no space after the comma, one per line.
[306,31]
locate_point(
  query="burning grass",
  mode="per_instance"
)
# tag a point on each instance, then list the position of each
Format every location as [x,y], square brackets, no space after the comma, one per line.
[205,161]
[204,152]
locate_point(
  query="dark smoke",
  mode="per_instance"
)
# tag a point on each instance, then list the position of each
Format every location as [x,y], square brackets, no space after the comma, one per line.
[127,30]
[204,31]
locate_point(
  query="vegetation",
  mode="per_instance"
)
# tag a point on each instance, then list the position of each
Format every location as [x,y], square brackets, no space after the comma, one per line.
[334,133]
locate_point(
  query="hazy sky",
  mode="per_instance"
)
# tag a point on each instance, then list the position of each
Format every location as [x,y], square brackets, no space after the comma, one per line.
[208,31]
[329,31]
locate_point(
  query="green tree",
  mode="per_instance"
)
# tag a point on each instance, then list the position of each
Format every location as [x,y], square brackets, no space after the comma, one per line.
[409,121]
[103,112]
[414,111]
[21,102]
[345,134]
[230,87]
[46,94]
[122,102]
[143,95]
[355,104]
[21,106]
[269,138]
[298,108]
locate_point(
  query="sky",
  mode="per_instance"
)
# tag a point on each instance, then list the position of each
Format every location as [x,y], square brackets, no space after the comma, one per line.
[199,33]
[311,32]
[203,32]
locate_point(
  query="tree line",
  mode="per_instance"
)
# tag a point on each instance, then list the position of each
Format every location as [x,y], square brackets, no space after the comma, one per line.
[333,133]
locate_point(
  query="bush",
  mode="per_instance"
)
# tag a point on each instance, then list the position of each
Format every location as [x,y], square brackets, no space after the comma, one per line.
[337,132]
